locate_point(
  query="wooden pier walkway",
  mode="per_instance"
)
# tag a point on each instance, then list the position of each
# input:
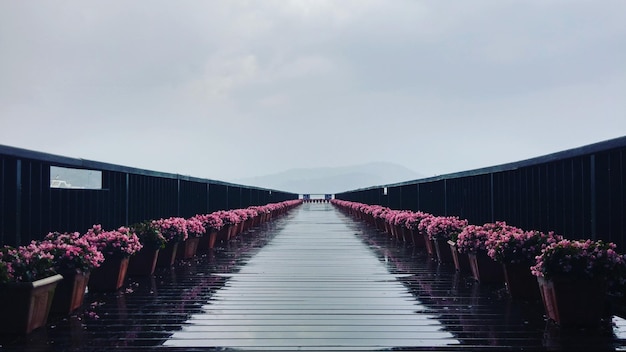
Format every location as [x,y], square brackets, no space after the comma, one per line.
[314,279]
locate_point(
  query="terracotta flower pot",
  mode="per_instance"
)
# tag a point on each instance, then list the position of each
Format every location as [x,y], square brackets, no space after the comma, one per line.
[143,263]
[485,269]
[187,249]
[574,303]
[461,260]
[167,255]
[207,241]
[222,234]
[110,275]
[520,282]
[212,239]
[392,230]
[232,231]
[442,249]
[406,235]
[417,239]
[430,248]
[70,292]
[25,306]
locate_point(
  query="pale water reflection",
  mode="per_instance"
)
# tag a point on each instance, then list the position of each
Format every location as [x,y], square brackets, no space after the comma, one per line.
[314,286]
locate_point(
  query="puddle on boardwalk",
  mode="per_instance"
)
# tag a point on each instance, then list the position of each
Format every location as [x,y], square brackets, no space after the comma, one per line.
[314,286]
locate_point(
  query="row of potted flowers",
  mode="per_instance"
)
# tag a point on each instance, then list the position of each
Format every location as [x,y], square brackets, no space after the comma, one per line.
[533,265]
[52,275]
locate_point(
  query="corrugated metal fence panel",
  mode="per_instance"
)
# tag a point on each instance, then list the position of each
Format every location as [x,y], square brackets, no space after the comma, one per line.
[193,198]
[35,198]
[8,204]
[151,197]
[30,208]
[409,197]
[579,193]
[394,198]
[218,197]
[234,195]
[245,198]
[610,195]
[78,209]
[255,197]
[469,198]
[432,197]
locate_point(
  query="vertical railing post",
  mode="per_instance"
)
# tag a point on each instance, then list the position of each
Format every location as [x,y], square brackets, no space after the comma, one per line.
[445,197]
[418,196]
[127,198]
[592,189]
[177,195]
[208,195]
[18,201]
[491,201]
[227,205]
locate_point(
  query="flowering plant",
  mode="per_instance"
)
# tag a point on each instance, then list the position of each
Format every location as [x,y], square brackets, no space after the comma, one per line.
[261,209]
[444,227]
[211,222]
[242,213]
[401,217]
[389,215]
[229,217]
[578,259]
[195,226]
[25,263]
[473,238]
[174,229]
[149,234]
[121,242]
[422,226]
[414,219]
[71,251]
[252,212]
[377,210]
[513,245]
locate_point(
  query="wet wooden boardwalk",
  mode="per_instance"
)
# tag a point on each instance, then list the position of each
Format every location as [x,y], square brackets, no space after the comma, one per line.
[314,279]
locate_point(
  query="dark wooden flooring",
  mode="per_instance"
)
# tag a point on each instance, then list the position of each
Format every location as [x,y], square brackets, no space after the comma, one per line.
[314,279]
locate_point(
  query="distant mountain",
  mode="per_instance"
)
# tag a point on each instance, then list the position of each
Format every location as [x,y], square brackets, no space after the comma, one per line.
[331,180]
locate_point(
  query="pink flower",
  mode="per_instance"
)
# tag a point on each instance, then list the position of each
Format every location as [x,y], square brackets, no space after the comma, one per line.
[195,226]
[25,263]
[72,251]
[444,227]
[578,259]
[414,219]
[174,229]
[120,242]
[510,244]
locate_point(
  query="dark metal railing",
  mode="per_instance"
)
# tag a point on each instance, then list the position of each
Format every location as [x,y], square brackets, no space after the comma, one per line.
[30,208]
[579,193]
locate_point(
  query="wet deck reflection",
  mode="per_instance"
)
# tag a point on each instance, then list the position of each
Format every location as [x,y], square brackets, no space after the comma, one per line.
[313,279]
[314,286]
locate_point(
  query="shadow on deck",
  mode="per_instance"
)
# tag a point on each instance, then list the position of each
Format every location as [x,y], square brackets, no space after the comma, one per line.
[312,279]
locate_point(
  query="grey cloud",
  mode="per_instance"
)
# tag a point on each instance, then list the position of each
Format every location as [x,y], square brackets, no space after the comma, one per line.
[191,86]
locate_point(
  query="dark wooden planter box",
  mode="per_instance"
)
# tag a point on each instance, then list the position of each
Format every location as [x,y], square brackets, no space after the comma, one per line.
[25,306]
[143,263]
[70,292]
[110,275]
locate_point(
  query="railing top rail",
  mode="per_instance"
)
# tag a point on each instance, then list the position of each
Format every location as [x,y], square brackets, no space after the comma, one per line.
[610,144]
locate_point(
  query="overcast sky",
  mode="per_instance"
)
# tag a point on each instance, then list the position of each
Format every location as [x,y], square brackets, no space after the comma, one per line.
[231,89]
